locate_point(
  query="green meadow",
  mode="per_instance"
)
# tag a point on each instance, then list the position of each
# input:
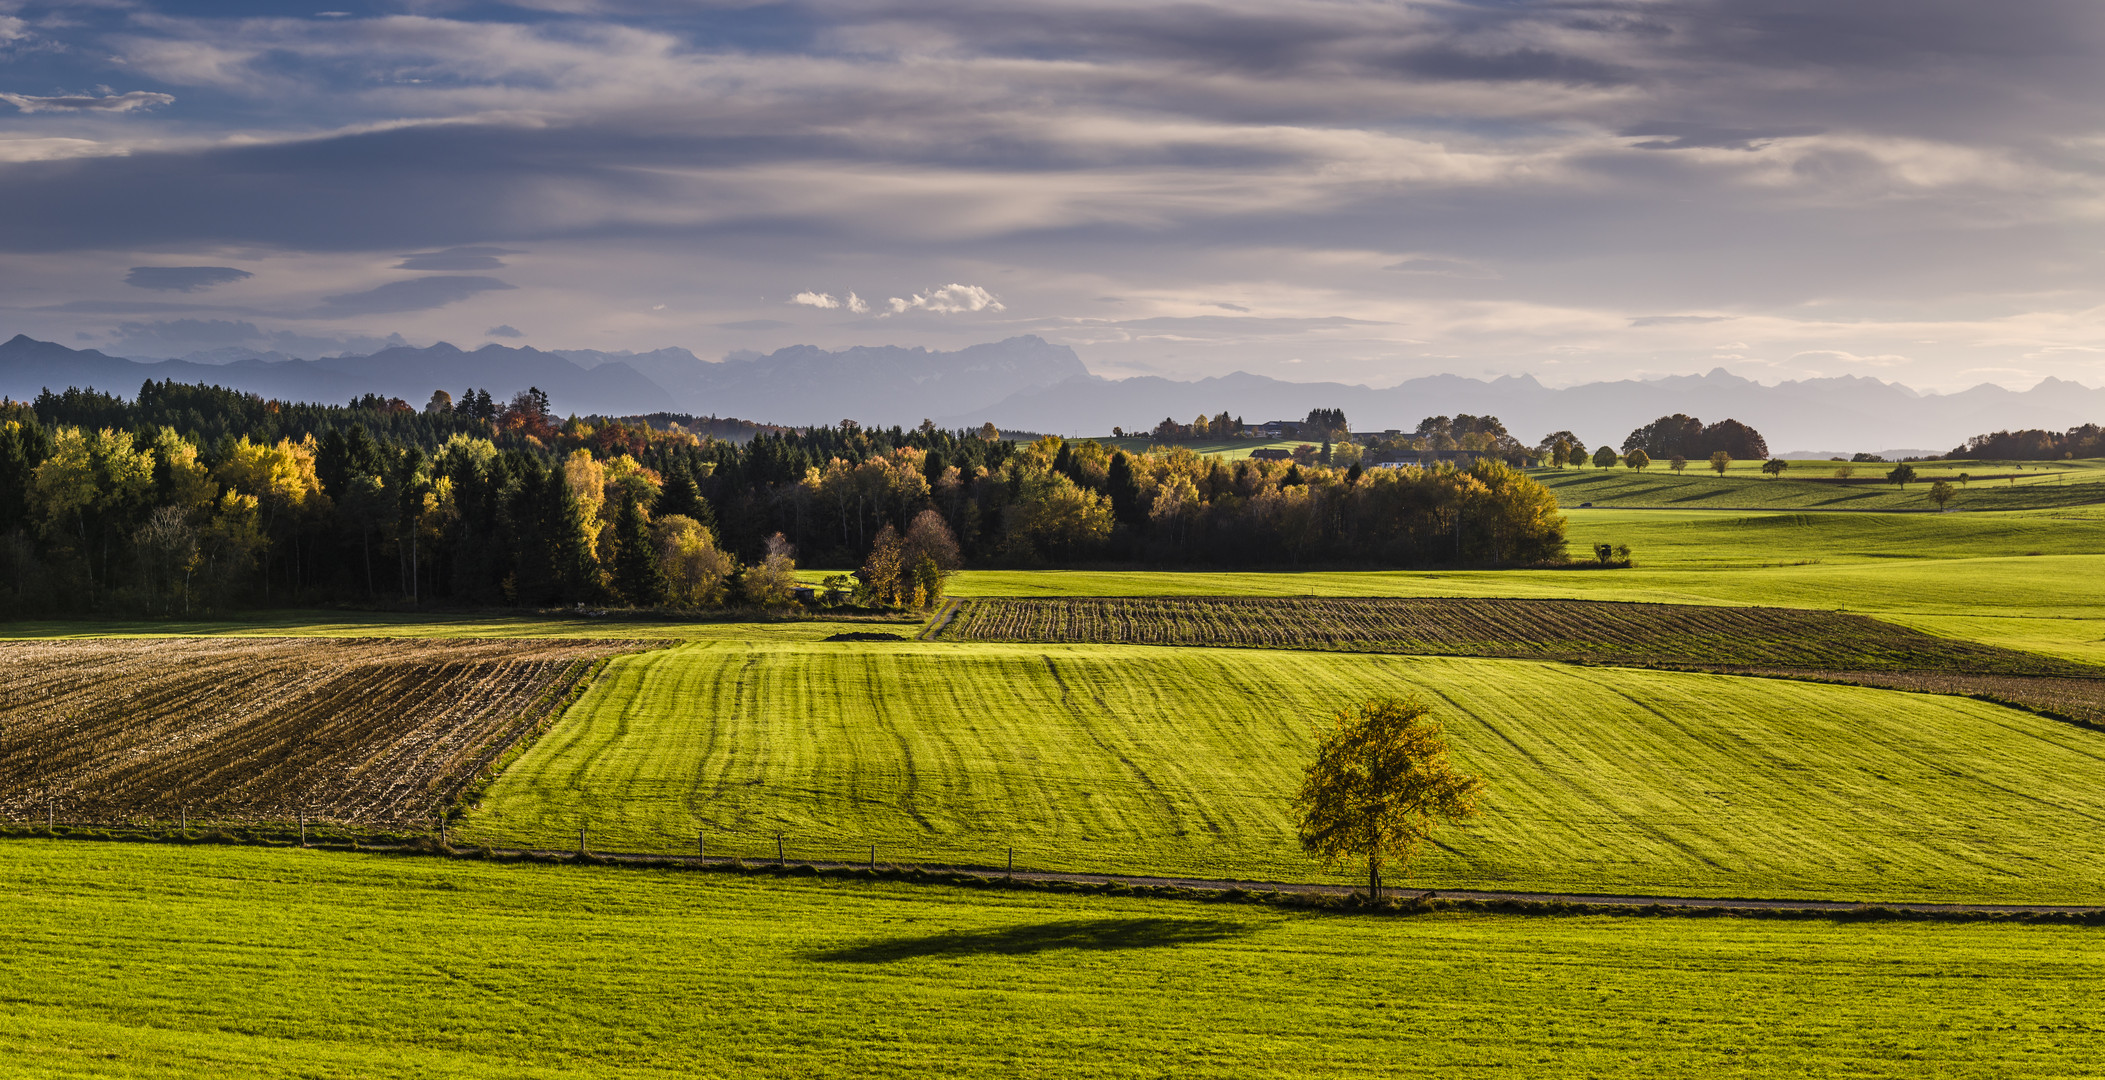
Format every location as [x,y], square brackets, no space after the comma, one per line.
[158,961]
[1138,759]
[1815,486]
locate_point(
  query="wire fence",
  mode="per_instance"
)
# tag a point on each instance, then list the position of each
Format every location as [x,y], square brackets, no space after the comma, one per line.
[982,854]
[1283,862]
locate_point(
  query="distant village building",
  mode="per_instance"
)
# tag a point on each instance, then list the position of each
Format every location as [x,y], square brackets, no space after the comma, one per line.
[1271,453]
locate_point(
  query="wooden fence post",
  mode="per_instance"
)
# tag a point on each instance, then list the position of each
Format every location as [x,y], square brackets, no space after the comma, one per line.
[581,840]
[1012,863]
[780,859]
[873,856]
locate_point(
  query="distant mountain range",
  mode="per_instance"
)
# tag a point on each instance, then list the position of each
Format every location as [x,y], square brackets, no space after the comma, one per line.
[1027,383]
[28,366]
[1852,413]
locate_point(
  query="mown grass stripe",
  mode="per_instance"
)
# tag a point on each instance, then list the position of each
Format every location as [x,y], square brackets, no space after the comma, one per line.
[1183,761]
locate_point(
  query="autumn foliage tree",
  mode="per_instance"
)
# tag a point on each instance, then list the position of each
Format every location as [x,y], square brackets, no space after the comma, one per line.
[1381,782]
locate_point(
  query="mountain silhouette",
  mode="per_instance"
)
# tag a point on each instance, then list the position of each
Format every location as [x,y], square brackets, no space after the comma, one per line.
[1028,384]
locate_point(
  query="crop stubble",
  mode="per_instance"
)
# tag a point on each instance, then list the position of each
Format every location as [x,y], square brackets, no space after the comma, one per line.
[364,731]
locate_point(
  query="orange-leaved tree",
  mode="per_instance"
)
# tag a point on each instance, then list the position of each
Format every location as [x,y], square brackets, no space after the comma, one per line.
[1380,784]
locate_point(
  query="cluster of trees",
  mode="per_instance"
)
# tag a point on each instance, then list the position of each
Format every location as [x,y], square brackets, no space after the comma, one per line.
[1675,440]
[1685,437]
[2087,441]
[185,500]
[1483,434]
[1325,424]
[1202,428]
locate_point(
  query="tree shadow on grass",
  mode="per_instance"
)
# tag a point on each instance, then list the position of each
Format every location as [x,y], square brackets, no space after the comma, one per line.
[1041,937]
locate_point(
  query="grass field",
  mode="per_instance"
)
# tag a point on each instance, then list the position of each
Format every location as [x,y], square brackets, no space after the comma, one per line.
[1231,449]
[1814,489]
[1183,760]
[1651,635]
[134,961]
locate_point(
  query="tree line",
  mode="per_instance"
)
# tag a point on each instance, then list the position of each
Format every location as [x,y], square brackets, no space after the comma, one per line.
[192,499]
[2087,441]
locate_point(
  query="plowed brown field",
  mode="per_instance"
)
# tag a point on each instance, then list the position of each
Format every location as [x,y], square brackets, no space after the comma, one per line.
[371,732]
[1651,635]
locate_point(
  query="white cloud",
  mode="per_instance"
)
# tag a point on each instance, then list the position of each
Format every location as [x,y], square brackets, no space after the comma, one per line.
[815,299]
[857,304]
[951,299]
[137,99]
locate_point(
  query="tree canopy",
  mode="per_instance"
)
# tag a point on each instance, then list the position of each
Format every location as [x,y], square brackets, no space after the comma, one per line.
[1381,782]
[1681,435]
[252,501]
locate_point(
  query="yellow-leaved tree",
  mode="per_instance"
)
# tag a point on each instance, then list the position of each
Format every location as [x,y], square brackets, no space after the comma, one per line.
[1380,784]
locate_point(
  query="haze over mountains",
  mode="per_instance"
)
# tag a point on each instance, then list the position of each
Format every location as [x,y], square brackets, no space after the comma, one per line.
[1027,383]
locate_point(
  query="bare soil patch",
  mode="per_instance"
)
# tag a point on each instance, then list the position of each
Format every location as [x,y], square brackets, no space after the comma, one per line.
[374,732]
[1650,635]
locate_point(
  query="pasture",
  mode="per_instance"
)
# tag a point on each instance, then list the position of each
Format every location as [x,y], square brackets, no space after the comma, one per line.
[143,960]
[1175,760]
[364,732]
[1810,486]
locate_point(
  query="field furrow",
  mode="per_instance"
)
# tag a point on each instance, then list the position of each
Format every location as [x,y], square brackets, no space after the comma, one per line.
[372,732]
[1670,635]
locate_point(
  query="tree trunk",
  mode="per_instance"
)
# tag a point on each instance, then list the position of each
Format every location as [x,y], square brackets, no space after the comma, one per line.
[1373,877]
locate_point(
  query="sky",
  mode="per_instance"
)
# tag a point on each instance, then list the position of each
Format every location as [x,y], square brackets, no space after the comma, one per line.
[1355,191]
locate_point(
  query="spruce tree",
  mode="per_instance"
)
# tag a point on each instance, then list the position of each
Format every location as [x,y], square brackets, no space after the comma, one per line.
[637,575]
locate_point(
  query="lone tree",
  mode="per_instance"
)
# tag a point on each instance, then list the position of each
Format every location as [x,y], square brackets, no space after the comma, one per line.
[1775,467]
[1679,463]
[1721,461]
[1604,458]
[1637,459]
[1941,492]
[1902,474]
[1381,783]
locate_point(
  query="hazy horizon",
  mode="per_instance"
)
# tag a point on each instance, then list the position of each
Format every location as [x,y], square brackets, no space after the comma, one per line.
[1323,192]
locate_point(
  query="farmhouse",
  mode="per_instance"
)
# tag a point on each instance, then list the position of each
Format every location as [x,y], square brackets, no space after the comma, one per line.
[1271,453]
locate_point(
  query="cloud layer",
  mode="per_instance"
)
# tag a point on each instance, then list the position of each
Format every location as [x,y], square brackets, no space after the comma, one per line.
[1576,188]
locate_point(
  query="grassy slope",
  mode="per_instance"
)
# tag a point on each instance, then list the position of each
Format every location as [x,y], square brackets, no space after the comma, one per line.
[174,962]
[1230,449]
[1797,488]
[1183,760]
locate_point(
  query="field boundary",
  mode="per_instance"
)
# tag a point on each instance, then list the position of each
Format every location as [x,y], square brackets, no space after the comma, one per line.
[1311,896]
[537,720]
[1623,633]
